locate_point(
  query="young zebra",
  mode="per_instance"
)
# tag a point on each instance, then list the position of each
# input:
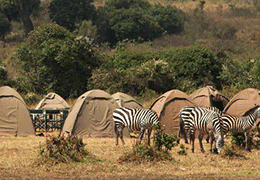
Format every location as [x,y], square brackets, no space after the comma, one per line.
[243,124]
[206,121]
[135,120]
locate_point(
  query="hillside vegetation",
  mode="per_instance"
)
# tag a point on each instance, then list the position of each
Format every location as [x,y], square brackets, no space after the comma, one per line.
[223,33]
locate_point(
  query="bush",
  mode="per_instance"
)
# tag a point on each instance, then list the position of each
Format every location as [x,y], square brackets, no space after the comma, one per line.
[143,153]
[3,74]
[238,139]
[163,141]
[183,150]
[231,151]
[158,152]
[60,149]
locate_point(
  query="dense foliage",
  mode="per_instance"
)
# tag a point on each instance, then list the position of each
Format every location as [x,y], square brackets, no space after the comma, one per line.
[5,26]
[69,14]
[134,71]
[137,19]
[53,59]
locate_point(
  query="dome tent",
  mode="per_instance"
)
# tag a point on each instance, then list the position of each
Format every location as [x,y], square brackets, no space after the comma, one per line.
[243,101]
[15,117]
[92,115]
[168,107]
[125,100]
[208,97]
[52,101]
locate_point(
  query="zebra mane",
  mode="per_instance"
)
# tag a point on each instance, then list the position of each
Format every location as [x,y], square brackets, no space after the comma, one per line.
[251,111]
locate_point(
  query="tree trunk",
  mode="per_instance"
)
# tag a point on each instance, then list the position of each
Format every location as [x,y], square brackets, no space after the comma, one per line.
[25,17]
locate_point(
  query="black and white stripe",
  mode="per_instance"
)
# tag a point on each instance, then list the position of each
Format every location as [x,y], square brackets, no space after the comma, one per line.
[243,124]
[206,120]
[136,120]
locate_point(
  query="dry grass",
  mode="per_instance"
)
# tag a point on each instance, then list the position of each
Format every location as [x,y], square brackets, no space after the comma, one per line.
[18,156]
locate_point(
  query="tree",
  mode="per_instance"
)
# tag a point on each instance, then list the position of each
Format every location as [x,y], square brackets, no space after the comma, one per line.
[136,20]
[5,26]
[68,14]
[170,18]
[25,9]
[56,60]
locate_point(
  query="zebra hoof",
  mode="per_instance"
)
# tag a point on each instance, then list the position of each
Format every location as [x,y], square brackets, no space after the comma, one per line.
[202,150]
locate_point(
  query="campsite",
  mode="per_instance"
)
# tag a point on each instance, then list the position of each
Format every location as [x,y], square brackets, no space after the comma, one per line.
[21,152]
[66,66]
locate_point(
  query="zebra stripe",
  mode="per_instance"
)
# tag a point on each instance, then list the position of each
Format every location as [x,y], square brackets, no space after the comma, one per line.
[206,120]
[136,120]
[242,124]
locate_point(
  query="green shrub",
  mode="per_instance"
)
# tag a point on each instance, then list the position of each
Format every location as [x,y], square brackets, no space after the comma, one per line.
[163,143]
[238,139]
[143,153]
[183,150]
[3,74]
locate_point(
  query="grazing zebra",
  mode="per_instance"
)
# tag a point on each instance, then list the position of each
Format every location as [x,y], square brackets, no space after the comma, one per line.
[187,114]
[206,120]
[135,120]
[243,124]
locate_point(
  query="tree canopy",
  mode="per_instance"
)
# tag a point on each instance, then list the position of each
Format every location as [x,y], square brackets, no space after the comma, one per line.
[53,59]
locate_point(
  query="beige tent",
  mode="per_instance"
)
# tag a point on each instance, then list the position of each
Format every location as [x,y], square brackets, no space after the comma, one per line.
[243,101]
[15,117]
[208,96]
[125,100]
[52,101]
[168,107]
[92,115]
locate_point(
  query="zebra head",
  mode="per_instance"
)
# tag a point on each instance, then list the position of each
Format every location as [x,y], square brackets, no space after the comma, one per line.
[219,143]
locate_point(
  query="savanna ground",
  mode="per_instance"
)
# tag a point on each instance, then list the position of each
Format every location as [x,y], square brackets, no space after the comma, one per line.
[20,154]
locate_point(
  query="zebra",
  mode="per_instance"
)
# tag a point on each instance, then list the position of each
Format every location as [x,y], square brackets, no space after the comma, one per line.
[206,120]
[136,120]
[243,124]
[187,115]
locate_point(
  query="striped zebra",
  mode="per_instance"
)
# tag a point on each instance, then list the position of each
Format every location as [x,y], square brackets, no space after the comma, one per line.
[135,120]
[243,124]
[186,115]
[206,120]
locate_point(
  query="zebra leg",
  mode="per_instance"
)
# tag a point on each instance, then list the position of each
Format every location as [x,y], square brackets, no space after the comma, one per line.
[141,135]
[200,140]
[117,134]
[149,135]
[207,138]
[183,131]
[212,137]
[248,139]
[121,136]
[192,139]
